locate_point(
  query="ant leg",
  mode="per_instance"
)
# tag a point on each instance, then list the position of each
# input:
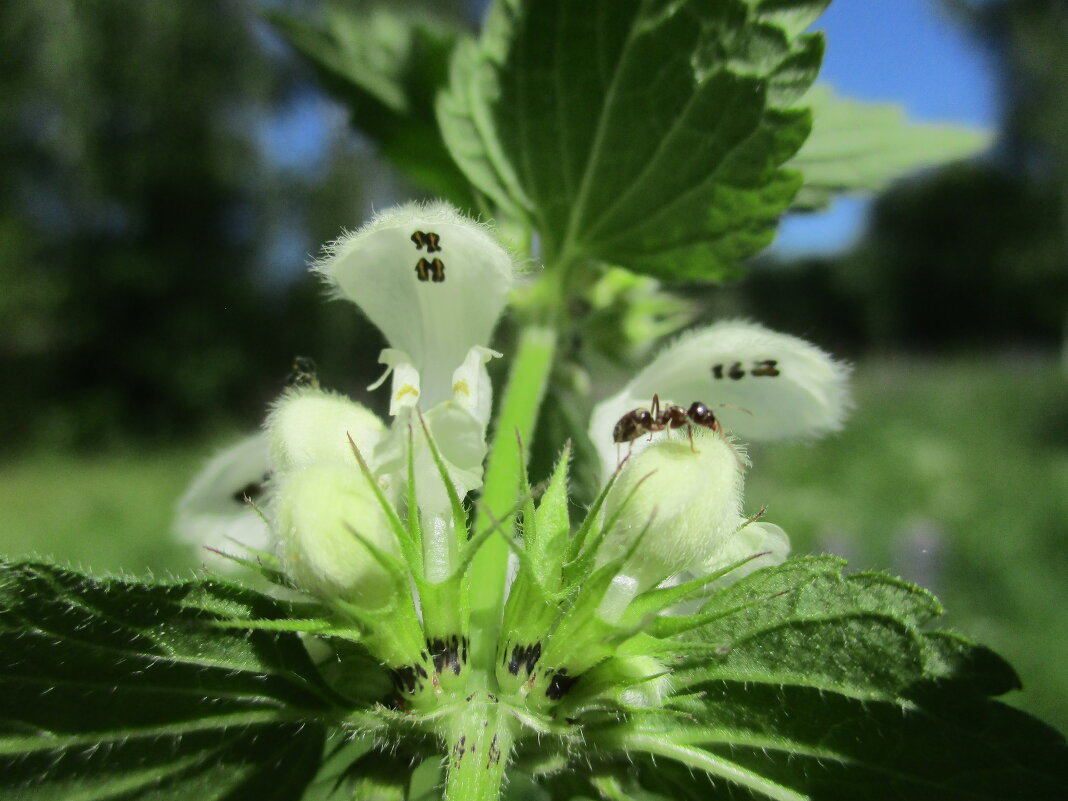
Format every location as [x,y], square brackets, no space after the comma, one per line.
[689,431]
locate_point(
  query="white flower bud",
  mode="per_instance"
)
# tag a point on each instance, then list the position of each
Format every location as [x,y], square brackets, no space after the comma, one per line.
[317,510]
[309,426]
[689,499]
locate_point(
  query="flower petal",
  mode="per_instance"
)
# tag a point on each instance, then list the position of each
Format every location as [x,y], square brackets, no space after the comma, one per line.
[309,426]
[213,508]
[432,280]
[766,539]
[471,386]
[461,440]
[405,389]
[770,385]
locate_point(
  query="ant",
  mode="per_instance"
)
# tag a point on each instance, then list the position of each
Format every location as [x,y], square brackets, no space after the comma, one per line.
[649,421]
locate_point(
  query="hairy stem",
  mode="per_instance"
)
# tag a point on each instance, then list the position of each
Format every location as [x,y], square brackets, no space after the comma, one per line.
[480,740]
[518,414]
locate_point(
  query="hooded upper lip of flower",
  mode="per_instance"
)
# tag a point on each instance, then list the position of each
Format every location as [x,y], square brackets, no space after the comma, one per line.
[760,384]
[435,283]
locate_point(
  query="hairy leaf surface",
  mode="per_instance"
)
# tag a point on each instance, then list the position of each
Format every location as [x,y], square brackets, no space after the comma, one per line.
[862,147]
[646,133]
[387,67]
[804,683]
[115,689]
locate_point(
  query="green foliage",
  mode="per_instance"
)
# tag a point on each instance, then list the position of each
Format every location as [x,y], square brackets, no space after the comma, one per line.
[386,67]
[116,689]
[645,134]
[805,683]
[858,146]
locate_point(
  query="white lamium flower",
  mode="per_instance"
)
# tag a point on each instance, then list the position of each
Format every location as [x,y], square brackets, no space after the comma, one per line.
[308,426]
[683,502]
[324,516]
[676,507]
[435,283]
[214,507]
[760,385]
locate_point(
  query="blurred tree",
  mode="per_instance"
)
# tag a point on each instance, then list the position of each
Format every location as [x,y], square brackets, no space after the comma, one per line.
[972,255]
[168,168]
[1027,37]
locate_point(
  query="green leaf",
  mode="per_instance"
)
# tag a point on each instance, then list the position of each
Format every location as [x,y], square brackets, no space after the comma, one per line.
[387,68]
[862,147]
[804,683]
[116,689]
[646,134]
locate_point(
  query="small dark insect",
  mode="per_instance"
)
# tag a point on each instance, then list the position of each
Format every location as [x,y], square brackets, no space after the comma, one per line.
[428,239]
[302,373]
[433,270]
[638,422]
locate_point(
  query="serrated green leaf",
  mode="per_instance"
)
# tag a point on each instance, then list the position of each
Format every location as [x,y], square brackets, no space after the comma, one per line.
[804,683]
[117,689]
[387,68]
[646,134]
[862,147]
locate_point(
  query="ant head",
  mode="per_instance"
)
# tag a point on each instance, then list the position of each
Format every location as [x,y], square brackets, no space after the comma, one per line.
[701,414]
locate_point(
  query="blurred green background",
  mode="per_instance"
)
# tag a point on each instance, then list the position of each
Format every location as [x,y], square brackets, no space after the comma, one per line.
[163,189]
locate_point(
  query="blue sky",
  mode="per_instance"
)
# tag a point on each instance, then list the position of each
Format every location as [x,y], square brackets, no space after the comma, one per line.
[906,51]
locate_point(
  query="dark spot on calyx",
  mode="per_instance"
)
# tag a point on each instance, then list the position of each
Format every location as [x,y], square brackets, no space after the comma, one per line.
[560,684]
[524,657]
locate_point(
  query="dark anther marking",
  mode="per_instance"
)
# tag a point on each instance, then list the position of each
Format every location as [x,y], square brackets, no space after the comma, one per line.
[439,270]
[524,656]
[429,240]
[717,371]
[302,373]
[736,371]
[492,697]
[459,748]
[251,491]
[430,270]
[560,685]
[494,752]
[765,367]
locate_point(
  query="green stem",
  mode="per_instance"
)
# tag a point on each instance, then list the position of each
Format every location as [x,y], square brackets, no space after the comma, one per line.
[518,415]
[480,740]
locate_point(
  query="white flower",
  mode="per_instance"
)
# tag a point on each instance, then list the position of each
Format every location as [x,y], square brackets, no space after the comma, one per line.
[213,508]
[760,384]
[435,283]
[684,500]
